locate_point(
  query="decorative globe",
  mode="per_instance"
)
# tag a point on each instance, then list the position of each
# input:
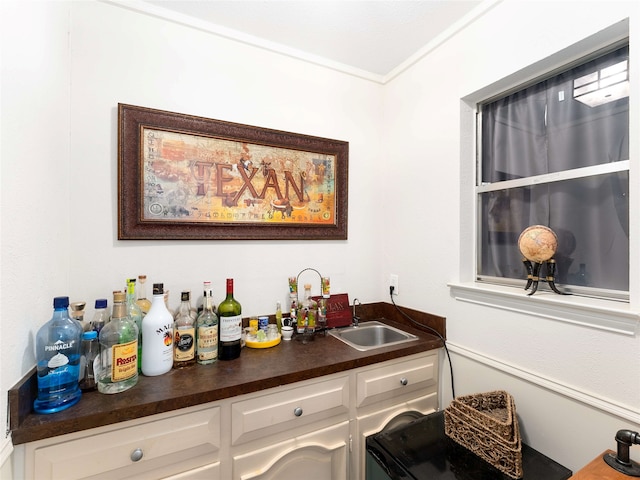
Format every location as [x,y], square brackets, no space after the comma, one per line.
[538,243]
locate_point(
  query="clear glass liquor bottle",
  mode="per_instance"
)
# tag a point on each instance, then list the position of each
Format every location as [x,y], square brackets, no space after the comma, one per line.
[90,350]
[306,300]
[230,315]
[58,350]
[118,366]
[184,334]
[77,312]
[135,314]
[192,310]
[166,303]
[279,316]
[100,316]
[207,331]
[143,302]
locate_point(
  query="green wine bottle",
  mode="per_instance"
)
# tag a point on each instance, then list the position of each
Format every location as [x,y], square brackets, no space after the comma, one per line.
[230,323]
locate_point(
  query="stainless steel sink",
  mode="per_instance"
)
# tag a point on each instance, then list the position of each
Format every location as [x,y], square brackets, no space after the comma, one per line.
[372,334]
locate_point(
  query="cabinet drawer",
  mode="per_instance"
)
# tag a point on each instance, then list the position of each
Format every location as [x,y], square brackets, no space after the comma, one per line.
[169,445]
[288,408]
[396,379]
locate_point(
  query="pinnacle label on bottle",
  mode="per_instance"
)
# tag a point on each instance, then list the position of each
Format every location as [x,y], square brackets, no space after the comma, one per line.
[59,345]
[125,361]
[230,328]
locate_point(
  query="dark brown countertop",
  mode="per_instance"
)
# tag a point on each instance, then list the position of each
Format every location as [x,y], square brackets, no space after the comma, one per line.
[255,370]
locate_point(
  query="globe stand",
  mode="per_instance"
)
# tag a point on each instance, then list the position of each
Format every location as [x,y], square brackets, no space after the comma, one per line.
[538,245]
[533,275]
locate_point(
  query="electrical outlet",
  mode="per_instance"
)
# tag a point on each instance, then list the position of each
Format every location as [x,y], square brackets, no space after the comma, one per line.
[393,282]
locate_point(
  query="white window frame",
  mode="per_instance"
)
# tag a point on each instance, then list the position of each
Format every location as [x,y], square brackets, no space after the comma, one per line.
[622,317]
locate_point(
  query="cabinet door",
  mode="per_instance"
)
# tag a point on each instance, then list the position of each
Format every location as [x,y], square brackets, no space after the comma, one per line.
[210,472]
[321,455]
[373,423]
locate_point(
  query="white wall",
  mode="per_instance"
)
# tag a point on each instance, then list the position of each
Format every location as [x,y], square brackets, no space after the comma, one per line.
[35,189]
[66,66]
[154,63]
[556,371]
[59,223]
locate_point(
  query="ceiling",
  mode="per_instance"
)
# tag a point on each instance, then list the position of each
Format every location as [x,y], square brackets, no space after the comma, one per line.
[374,37]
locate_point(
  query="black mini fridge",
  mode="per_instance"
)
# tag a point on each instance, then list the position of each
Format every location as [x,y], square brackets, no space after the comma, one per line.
[420,450]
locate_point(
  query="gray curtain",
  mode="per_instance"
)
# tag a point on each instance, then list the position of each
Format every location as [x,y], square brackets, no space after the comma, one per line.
[543,129]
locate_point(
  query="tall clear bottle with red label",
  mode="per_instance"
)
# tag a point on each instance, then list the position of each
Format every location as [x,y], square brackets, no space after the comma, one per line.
[230,318]
[117,368]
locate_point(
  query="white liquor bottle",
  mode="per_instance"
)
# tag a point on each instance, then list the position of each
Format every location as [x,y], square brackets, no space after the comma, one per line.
[157,336]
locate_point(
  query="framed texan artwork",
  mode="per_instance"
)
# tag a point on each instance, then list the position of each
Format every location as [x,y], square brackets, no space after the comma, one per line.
[182,177]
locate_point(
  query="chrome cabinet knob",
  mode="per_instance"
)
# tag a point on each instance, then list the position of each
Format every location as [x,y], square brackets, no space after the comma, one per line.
[404,381]
[297,412]
[136,455]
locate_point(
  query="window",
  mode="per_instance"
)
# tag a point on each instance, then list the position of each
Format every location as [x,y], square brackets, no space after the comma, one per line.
[556,153]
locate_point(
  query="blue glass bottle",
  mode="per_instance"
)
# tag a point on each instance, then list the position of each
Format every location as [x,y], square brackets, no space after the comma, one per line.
[58,351]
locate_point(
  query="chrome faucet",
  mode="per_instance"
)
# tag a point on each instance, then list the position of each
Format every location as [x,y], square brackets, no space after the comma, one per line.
[355,318]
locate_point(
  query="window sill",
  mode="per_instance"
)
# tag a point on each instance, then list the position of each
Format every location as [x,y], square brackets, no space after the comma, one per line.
[602,314]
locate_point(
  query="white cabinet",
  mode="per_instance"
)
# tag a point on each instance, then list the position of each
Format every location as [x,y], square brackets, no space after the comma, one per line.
[321,454]
[315,429]
[288,430]
[387,390]
[372,423]
[286,408]
[397,379]
[178,445]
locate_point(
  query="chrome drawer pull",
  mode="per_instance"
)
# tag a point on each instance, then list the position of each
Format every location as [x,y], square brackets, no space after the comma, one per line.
[297,412]
[404,381]
[136,455]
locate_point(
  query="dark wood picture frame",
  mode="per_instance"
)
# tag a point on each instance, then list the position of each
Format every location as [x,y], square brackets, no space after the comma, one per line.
[166,158]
